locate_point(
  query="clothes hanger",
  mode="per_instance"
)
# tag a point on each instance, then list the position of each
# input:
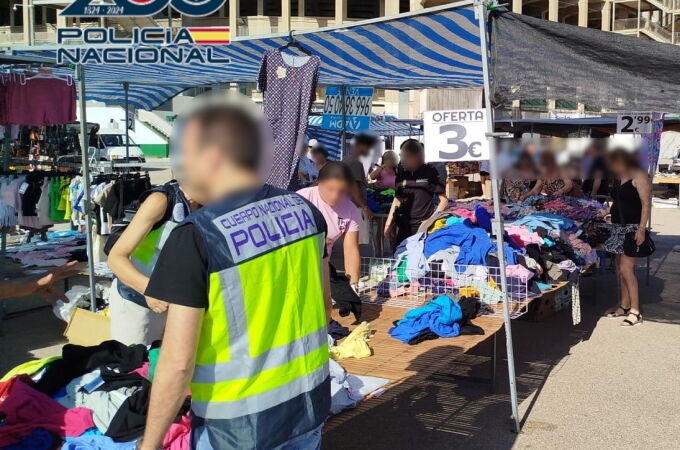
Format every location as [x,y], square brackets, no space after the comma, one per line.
[292,43]
[43,74]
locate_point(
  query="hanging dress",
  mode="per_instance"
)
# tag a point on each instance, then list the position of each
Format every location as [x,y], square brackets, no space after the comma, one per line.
[288,84]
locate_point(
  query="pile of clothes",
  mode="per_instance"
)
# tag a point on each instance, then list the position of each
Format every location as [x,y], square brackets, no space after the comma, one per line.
[97,398]
[89,398]
[456,250]
[441,317]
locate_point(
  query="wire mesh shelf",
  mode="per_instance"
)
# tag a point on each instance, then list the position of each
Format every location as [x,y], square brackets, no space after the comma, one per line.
[392,282]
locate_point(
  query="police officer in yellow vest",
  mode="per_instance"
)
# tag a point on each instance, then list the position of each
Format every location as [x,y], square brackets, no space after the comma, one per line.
[245,282]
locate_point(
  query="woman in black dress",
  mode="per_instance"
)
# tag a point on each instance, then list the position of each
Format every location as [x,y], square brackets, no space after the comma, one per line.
[630,212]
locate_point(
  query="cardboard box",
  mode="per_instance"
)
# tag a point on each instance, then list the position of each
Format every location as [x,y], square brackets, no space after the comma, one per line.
[88,328]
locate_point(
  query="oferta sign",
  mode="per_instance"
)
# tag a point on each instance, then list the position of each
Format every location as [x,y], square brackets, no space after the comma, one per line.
[153,45]
[138,8]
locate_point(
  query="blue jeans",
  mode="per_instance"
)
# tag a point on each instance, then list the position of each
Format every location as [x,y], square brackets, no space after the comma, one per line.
[308,441]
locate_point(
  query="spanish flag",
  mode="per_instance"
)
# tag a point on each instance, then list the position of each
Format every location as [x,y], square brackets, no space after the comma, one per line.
[210,35]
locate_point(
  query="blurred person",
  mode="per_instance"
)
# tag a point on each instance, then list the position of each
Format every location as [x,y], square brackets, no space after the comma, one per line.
[385,174]
[307,170]
[39,285]
[630,213]
[135,319]
[418,185]
[485,178]
[331,197]
[245,280]
[363,145]
[573,169]
[596,173]
[519,179]
[319,156]
[553,179]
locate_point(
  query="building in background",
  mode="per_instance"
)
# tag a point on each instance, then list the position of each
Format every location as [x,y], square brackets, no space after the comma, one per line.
[34,22]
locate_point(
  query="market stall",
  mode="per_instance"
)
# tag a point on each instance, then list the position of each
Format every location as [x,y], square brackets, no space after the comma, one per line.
[440,47]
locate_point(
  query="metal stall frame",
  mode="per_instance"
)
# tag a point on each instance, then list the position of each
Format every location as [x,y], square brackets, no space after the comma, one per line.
[480,10]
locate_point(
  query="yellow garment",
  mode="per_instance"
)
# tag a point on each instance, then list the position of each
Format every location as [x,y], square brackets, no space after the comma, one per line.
[441,223]
[492,283]
[355,345]
[29,368]
[469,292]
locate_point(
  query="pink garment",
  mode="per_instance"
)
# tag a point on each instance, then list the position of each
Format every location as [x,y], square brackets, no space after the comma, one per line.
[524,235]
[177,437]
[340,219]
[519,271]
[40,101]
[386,180]
[464,213]
[143,371]
[26,409]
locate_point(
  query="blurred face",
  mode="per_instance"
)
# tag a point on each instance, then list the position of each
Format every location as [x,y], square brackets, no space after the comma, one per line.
[525,163]
[199,166]
[548,162]
[618,167]
[362,149]
[318,158]
[411,161]
[333,190]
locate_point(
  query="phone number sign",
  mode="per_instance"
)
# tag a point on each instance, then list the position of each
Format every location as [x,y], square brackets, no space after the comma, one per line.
[455,135]
[358,105]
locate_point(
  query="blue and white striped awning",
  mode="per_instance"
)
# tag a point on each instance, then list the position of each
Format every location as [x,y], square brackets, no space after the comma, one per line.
[437,47]
[380,126]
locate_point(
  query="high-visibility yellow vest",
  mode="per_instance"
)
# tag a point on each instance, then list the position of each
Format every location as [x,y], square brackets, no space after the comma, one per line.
[146,254]
[262,361]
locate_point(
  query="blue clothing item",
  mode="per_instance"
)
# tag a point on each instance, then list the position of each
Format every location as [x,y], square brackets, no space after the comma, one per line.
[483,218]
[38,439]
[454,219]
[543,286]
[475,244]
[440,316]
[96,442]
[546,220]
[130,294]
[412,249]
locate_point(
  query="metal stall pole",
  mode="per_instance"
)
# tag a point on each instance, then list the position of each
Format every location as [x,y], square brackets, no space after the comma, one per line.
[480,8]
[84,148]
[126,88]
[7,144]
[343,137]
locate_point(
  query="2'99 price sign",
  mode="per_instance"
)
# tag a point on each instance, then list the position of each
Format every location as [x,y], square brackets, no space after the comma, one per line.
[634,123]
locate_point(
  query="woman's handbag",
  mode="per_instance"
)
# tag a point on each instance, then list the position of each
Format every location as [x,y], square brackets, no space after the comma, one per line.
[630,247]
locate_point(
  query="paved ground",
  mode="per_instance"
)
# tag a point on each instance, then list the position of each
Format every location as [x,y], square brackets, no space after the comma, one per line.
[590,386]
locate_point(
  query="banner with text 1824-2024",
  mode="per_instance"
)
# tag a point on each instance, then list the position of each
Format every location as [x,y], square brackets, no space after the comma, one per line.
[455,135]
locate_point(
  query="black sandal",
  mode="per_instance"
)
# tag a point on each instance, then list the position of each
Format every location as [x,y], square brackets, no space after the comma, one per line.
[613,315]
[629,323]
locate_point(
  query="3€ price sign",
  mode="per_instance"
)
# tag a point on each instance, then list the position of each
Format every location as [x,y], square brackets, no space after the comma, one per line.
[455,135]
[634,123]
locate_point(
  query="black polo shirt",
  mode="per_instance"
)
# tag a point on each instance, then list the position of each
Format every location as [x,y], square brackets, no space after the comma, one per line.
[417,191]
